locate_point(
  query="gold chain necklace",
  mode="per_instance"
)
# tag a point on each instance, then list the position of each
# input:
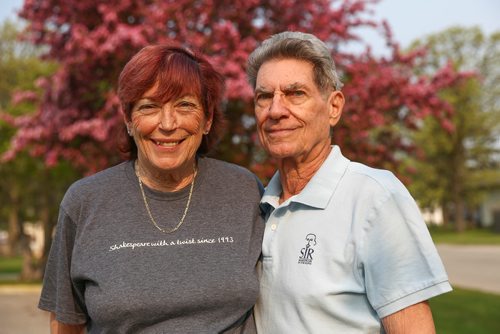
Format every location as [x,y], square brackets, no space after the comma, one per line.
[186,209]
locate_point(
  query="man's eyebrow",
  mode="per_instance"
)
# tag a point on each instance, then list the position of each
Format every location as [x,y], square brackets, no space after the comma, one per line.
[294,86]
[261,90]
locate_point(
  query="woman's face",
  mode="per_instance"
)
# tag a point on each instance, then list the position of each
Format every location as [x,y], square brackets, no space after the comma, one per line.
[168,135]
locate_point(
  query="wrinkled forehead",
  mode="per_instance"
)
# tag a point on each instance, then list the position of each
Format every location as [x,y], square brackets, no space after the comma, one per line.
[282,73]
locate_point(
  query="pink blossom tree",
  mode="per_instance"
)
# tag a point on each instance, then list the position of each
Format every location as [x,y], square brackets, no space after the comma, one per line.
[78,116]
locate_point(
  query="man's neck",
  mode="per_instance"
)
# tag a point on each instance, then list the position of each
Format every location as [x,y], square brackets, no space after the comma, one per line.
[296,173]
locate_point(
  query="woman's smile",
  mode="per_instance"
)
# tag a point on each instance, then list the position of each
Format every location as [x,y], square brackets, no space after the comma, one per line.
[167,143]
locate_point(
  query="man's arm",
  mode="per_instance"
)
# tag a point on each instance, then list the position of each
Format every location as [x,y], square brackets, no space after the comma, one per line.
[57,327]
[415,319]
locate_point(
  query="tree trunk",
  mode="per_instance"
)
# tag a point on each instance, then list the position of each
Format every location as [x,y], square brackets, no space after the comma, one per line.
[29,270]
[457,192]
[458,207]
[14,221]
[33,267]
[446,214]
[49,223]
[460,222]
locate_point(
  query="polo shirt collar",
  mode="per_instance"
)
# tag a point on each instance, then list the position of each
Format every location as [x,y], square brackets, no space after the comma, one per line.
[318,190]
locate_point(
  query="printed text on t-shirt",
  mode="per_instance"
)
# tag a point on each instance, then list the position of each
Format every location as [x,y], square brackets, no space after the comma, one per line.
[177,242]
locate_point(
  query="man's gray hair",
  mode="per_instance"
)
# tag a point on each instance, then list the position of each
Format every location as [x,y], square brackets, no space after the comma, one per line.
[296,45]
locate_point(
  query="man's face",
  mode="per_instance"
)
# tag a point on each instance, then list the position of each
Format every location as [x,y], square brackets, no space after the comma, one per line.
[293,116]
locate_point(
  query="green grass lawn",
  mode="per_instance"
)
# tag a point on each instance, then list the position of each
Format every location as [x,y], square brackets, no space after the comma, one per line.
[10,265]
[10,269]
[468,237]
[466,311]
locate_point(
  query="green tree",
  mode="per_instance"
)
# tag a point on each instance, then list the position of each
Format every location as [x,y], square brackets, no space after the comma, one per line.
[452,166]
[79,114]
[30,190]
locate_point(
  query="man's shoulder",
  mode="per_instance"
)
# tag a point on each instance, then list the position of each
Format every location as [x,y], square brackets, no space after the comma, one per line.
[376,178]
[381,175]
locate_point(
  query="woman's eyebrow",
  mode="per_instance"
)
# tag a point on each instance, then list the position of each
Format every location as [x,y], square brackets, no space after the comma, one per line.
[145,99]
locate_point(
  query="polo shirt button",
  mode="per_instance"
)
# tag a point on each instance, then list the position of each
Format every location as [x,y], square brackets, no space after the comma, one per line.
[273,227]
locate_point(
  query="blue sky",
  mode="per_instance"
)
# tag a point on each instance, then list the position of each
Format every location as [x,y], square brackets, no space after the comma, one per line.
[412,19]
[409,19]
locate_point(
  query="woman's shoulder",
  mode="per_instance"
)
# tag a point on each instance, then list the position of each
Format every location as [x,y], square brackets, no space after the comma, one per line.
[227,168]
[230,174]
[108,179]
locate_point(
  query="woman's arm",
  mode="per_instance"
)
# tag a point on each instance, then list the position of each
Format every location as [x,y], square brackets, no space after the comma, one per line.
[57,327]
[414,319]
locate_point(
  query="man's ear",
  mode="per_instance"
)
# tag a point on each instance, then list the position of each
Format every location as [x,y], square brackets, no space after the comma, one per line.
[336,102]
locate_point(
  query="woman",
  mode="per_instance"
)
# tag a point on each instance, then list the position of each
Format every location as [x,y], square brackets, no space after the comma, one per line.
[168,241]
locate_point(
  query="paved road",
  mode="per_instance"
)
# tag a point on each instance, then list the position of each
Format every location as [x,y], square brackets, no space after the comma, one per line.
[473,267]
[18,311]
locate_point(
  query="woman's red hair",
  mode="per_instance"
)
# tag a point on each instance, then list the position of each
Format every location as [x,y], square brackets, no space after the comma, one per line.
[176,71]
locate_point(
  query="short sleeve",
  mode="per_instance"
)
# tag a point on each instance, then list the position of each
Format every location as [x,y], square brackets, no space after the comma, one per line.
[400,263]
[59,295]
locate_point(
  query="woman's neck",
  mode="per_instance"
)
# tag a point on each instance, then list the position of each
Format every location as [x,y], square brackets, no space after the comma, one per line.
[166,180]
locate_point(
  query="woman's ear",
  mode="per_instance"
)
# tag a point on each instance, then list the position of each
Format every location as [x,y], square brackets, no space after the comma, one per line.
[208,124]
[128,125]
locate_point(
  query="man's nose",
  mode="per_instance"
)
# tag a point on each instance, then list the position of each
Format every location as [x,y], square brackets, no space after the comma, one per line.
[278,107]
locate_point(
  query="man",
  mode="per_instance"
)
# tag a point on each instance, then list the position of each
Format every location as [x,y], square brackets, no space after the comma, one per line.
[345,248]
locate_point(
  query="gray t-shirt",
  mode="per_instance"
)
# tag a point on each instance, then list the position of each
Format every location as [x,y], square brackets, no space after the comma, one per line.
[111,268]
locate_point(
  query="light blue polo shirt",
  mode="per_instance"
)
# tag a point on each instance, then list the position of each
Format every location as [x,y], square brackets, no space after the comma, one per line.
[351,248]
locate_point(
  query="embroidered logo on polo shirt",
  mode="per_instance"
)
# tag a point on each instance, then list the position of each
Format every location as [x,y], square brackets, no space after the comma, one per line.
[307,252]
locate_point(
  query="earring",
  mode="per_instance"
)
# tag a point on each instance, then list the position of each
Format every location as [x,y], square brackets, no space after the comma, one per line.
[206,132]
[129,130]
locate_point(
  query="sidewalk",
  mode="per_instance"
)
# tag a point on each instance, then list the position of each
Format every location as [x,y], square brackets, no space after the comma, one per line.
[473,267]
[18,311]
